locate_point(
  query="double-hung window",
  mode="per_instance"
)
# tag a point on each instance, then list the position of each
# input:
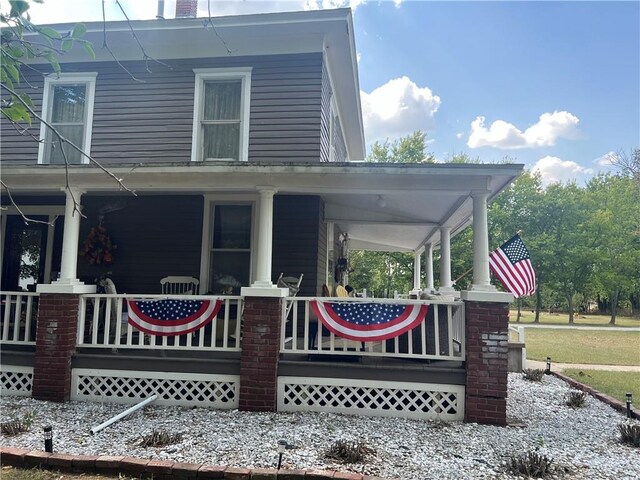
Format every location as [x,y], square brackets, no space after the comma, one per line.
[221,114]
[67,106]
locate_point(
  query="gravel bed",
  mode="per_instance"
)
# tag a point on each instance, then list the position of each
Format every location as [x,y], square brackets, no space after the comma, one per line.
[584,441]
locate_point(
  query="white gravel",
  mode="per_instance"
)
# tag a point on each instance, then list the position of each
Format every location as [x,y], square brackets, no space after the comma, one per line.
[583,440]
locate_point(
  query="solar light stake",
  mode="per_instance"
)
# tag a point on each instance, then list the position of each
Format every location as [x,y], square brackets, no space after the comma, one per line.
[48,439]
[282,445]
[548,370]
[629,400]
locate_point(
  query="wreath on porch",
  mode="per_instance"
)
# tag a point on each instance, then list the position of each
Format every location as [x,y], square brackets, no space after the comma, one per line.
[98,248]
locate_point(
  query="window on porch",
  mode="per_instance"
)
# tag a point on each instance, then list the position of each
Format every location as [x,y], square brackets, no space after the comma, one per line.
[230,255]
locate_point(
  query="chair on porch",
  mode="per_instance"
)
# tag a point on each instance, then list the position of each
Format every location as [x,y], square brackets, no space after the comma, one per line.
[175,285]
[293,284]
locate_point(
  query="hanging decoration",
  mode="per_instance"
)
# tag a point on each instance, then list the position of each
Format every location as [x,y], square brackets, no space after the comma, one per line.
[97,248]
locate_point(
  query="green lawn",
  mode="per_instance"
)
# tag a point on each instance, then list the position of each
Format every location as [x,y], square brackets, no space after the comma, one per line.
[615,384]
[563,319]
[583,346]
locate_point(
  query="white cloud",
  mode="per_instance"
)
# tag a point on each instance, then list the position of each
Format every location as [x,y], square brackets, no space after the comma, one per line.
[397,108]
[554,170]
[397,3]
[323,4]
[504,135]
[459,134]
[607,159]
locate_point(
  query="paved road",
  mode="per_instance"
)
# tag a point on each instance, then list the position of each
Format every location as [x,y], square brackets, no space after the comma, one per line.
[559,367]
[579,327]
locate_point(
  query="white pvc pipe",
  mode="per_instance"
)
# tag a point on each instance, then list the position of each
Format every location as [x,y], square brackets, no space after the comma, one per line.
[128,411]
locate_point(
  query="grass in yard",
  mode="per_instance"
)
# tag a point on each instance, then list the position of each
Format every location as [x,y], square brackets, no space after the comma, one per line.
[615,384]
[583,346]
[563,319]
[11,473]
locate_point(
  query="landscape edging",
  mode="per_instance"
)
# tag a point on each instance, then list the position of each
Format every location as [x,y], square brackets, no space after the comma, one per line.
[612,402]
[158,469]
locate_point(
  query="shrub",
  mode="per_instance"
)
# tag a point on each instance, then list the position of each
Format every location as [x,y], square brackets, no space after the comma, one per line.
[160,438]
[533,374]
[531,464]
[630,434]
[576,399]
[16,426]
[13,427]
[348,452]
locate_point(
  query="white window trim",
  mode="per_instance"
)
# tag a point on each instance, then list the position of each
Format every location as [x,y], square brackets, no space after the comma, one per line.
[204,74]
[210,201]
[89,78]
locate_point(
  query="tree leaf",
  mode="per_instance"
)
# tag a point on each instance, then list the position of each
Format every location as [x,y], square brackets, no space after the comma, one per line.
[18,7]
[13,72]
[66,45]
[89,49]
[79,30]
[50,32]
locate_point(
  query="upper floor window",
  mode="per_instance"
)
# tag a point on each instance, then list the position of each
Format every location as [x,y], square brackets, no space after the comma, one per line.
[221,114]
[67,105]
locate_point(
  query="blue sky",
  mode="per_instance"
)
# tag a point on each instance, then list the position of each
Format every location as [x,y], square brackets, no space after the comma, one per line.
[554,85]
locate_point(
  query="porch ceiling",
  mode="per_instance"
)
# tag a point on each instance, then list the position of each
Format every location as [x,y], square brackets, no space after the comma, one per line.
[395,207]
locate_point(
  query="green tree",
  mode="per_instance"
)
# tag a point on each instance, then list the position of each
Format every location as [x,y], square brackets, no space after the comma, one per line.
[381,273]
[614,223]
[567,241]
[409,149]
[519,208]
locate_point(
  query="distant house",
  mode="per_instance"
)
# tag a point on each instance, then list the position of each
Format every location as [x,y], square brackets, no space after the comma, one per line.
[246,160]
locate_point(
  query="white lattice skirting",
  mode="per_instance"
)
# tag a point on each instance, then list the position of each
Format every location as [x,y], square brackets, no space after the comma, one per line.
[16,380]
[371,397]
[187,389]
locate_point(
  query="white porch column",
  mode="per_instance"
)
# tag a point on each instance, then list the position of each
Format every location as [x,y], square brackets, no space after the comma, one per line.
[262,286]
[446,285]
[428,266]
[416,273]
[481,279]
[68,281]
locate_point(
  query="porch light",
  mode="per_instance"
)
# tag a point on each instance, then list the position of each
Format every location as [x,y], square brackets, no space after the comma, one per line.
[629,401]
[282,446]
[548,369]
[381,201]
[48,439]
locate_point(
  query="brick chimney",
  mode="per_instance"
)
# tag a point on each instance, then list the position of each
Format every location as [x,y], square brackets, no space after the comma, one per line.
[186,8]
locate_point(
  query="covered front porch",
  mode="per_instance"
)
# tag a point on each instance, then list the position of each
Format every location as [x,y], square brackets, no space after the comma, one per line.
[235,228]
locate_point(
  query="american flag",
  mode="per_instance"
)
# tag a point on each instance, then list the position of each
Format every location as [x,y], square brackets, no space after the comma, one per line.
[368,322]
[512,265]
[169,317]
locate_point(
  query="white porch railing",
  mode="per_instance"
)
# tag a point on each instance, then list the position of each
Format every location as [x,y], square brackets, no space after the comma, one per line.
[103,322]
[439,337]
[18,317]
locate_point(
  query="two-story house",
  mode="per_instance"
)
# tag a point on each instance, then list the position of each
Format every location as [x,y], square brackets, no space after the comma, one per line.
[243,144]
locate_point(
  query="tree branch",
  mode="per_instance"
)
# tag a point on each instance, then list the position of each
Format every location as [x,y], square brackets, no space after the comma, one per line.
[15,205]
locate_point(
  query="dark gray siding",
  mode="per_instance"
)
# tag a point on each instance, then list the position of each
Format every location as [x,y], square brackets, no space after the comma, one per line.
[153,121]
[156,236]
[295,239]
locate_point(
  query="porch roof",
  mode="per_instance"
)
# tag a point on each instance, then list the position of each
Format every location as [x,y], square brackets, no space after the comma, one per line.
[394,207]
